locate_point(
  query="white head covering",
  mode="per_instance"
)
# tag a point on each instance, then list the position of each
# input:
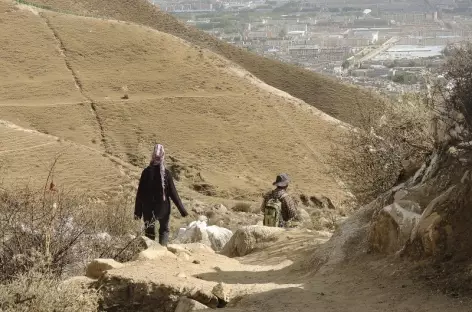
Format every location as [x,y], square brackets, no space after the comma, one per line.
[158,159]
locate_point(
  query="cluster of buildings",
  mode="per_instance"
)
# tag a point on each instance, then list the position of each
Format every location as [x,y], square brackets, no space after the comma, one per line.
[382,44]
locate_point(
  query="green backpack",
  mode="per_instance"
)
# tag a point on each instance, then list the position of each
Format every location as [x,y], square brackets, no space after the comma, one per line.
[272,211]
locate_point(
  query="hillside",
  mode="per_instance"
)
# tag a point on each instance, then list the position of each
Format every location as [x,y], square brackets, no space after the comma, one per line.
[228,134]
[324,93]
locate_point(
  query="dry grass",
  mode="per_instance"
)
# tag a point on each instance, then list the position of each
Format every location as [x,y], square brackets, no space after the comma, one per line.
[324,93]
[45,80]
[38,291]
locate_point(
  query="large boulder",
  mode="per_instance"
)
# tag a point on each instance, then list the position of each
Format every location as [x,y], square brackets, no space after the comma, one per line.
[199,232]
[391,228]
[249,238]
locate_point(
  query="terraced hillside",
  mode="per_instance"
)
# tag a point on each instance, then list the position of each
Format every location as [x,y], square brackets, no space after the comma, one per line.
[332,97]
[228,133]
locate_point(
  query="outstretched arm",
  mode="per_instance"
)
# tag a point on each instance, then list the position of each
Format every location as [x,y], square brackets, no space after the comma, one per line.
[174,195]
[138,211]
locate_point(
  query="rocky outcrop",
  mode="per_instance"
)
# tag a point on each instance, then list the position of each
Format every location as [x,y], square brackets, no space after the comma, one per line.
[392,227]
[249,239]
[429,217]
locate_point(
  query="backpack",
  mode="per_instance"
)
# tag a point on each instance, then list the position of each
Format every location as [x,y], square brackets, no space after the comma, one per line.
[272,210]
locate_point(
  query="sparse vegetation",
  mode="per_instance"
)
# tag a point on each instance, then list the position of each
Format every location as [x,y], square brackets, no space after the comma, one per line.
[371,162]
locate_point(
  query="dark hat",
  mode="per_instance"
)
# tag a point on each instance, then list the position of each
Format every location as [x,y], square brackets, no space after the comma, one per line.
[282,180]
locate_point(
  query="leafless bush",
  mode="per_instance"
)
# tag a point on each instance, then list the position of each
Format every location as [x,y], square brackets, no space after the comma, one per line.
[372,161]
[451,97]
[59,231]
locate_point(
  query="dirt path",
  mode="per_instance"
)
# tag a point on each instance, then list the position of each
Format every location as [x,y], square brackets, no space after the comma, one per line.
[355,288]
[271,280]
[368,284]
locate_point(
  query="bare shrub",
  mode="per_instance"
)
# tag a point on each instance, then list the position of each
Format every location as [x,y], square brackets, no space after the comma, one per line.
[372,161]
[451,97]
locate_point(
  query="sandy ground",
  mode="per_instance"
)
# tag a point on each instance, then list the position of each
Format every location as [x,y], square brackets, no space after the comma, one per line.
[270,280]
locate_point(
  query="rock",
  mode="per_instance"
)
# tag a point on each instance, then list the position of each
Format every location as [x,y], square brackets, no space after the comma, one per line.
[190,248]
[97,267]
[400,195]
[198,231]
[186,305]
[222,292]
[153,253]
[410,205]
[248,238]
[218,236]
[221,208]
[391,229]
[146,287]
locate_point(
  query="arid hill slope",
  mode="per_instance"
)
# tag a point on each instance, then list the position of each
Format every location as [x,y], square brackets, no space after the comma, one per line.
[324,93]
[229,134]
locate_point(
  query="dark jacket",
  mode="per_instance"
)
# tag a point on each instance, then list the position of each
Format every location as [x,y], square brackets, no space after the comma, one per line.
[150,203]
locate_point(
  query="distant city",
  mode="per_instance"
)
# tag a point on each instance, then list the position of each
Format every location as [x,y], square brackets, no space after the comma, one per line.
[393,46]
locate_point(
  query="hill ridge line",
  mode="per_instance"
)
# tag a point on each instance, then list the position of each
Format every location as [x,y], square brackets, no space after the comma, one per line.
[78,83]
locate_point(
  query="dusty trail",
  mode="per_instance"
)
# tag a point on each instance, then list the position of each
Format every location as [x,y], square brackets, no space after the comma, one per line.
[272,280]
[349,288]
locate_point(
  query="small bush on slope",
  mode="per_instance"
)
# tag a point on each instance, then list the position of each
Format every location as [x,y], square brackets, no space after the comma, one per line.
[372,162]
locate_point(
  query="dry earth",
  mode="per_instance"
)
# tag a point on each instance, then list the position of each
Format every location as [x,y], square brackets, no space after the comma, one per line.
[271,280]
[225,129]
[326,94]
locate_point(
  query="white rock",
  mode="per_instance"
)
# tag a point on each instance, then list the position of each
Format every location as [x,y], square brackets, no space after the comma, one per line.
[97,267]
[198,232]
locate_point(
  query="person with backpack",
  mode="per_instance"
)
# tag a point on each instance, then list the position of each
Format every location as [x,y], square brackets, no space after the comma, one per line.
[156,189]
[278,207]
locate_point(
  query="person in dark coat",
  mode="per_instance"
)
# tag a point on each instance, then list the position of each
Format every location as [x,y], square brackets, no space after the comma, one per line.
[156,189]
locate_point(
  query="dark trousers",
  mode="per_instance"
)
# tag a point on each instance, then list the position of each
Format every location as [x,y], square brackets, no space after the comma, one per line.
[150,229]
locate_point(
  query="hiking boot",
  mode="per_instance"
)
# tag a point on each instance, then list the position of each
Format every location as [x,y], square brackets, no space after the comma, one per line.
[163,239]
